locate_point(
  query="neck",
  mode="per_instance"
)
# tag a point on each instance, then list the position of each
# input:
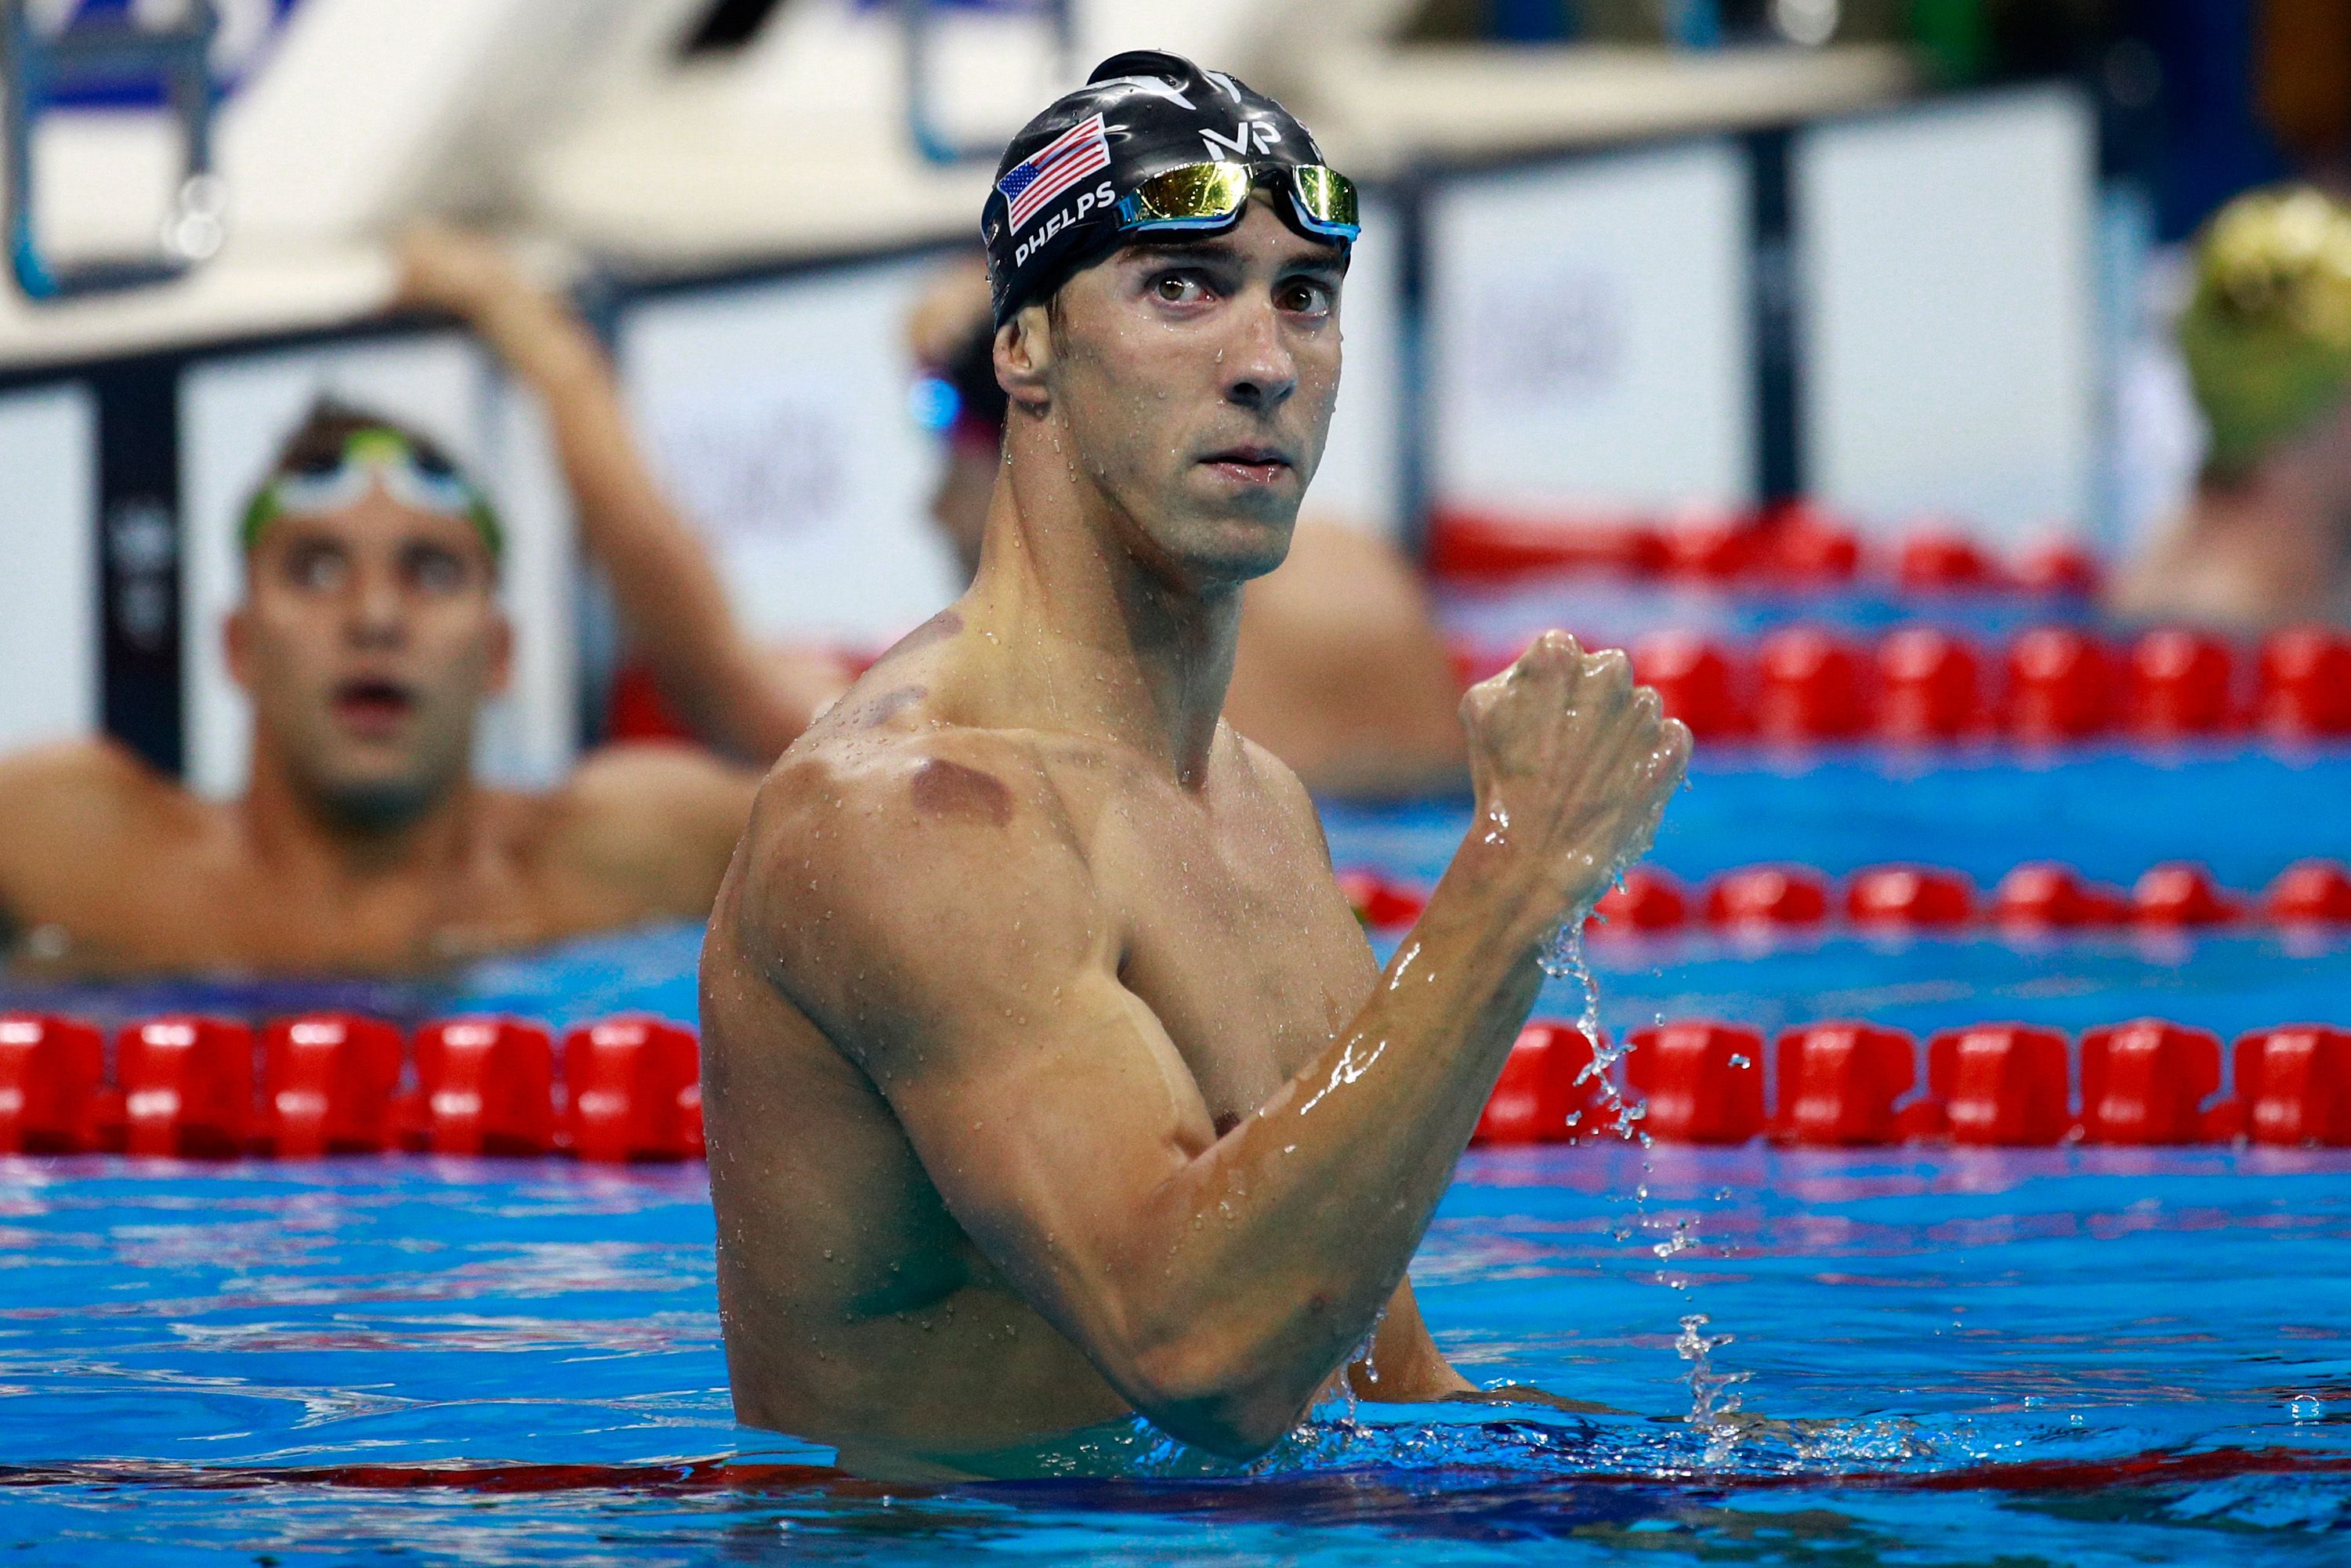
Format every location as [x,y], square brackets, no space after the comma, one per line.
[1112,644]
[300,832]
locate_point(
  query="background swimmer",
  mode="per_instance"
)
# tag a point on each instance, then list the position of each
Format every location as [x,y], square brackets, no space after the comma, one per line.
[2266,338]
[1048,1076]
[368,638]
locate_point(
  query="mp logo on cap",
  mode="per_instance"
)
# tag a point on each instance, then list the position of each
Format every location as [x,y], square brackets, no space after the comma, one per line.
[1251,135]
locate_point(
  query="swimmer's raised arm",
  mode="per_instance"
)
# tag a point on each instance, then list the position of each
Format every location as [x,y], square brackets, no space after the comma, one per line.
[959,949]
[749,701]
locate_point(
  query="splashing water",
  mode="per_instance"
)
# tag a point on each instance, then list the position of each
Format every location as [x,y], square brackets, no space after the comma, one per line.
[1710,1410]
[1562,958]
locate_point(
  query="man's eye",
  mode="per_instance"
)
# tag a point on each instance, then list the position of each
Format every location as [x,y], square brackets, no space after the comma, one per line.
[1178,288]
[314,568]
[1305,297]
[435,570]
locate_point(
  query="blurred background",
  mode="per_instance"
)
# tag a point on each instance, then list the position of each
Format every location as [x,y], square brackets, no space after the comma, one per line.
[1640,280]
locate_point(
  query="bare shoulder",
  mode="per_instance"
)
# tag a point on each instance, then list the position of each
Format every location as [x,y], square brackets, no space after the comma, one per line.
[641,775]
[657,820]
[54,796]
[1284,790]
[903,855]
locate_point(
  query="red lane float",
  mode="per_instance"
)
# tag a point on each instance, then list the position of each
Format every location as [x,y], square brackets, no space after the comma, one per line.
[2182,894]
[187,1087]
[2310,893]
[1909,897]
[1803,685]
[1843,1084]
[1548,1090]
[2061,685]
[2146,1081]
[1694,681]
[2294,1086]
[1808,687]
[1703,1082]
[1768,897]
[1837,1083]
[484,1086]
[2045,896]
[1792,542]
[2178,683]
[635,1090]
[2000,1084]
[1644,901]
[1380,903]
[2306,683]
[2036,896]
[2060,569]
[327,1082]
[52,1071]
[1929,685]
[1941,559]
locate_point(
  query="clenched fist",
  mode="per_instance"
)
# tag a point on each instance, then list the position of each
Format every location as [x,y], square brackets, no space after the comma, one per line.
[1573,764]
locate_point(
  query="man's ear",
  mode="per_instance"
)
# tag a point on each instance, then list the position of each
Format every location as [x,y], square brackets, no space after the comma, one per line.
[502,652]
[236,641]
[1024,356]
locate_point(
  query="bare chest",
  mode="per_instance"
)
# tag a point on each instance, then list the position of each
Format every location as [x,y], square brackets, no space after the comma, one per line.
[1237,939]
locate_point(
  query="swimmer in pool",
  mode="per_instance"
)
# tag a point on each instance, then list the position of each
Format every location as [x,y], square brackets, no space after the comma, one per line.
[368,638]
[1339,669]
[2266,537]
[1049,1079]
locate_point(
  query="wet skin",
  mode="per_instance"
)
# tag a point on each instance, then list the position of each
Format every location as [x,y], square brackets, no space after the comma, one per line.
[369,639]
[1048,1076]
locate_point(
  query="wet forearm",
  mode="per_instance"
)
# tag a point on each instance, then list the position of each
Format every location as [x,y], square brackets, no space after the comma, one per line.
[1319,1200]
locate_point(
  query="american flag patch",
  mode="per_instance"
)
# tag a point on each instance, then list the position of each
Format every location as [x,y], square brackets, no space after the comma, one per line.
[1069,158]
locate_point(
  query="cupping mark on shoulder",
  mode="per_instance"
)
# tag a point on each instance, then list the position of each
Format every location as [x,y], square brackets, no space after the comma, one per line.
[945,789]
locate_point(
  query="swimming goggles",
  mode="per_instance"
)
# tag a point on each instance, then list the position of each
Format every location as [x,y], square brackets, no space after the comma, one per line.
[416,479]
[1211,195]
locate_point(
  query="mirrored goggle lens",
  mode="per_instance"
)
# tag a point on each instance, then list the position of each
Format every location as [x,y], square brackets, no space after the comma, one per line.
[1196,196]
[1208,195]
[1326,200]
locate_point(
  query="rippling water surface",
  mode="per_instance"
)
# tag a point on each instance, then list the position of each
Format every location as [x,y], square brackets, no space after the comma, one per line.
[2063,1356]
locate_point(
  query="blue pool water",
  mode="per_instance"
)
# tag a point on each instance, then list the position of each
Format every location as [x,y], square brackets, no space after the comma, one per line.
[2063,1356]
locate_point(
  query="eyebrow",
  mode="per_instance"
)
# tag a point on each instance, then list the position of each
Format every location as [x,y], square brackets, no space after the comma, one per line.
[1329,259]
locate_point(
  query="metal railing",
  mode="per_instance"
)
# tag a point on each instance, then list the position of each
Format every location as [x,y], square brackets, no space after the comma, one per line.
[105,51]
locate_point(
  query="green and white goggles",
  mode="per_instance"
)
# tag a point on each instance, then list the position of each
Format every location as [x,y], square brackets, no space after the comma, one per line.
[416,479]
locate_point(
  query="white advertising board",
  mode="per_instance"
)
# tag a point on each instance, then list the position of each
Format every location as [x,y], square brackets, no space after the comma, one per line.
[48,566]
[779,415]
[1589,335]
[1948,318]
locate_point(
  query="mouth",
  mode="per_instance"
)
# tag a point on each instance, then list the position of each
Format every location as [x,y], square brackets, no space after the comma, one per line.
[374,708]
[1250,464]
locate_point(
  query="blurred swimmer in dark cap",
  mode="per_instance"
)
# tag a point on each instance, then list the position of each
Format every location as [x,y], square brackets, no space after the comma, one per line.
[2266,537]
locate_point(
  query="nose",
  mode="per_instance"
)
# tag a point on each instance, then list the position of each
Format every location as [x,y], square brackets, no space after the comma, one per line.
[1261,372]
[376,616]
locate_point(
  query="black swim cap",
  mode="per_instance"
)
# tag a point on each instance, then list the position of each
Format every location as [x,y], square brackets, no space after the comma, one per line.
[1054,208]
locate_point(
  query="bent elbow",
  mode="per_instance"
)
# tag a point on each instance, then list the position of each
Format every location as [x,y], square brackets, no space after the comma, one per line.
[1217,1401]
